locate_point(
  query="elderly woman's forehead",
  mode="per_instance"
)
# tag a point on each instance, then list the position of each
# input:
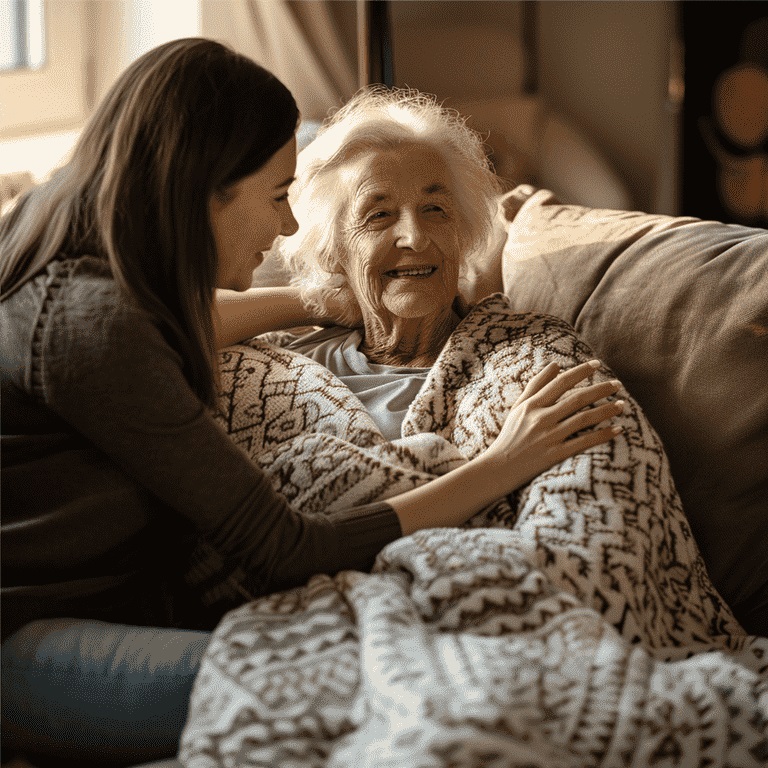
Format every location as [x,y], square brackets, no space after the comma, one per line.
[406,161]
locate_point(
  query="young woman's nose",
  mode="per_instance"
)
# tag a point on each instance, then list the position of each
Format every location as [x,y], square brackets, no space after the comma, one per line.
[288,224]
[410,234]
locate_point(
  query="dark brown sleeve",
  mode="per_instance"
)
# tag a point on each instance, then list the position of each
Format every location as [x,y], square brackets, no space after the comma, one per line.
[106,369]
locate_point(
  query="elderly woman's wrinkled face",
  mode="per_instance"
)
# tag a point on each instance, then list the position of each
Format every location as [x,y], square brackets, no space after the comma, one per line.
[402,246]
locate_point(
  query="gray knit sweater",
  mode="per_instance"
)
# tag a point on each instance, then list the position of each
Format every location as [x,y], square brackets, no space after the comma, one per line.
[116,478]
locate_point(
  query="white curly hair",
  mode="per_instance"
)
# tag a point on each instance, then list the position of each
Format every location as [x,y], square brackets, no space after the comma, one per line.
[380,118]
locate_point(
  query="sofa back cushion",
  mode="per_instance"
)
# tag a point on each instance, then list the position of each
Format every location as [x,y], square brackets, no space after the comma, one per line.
[677,307]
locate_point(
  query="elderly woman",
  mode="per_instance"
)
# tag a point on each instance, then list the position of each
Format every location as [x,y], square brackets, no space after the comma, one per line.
[412,201]
[396,203]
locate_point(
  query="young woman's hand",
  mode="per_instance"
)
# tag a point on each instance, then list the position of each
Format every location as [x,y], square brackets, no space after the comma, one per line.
[338,308]
[239,315]
[540,430]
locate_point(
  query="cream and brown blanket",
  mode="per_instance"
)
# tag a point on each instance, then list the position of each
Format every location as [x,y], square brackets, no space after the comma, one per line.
[570,624]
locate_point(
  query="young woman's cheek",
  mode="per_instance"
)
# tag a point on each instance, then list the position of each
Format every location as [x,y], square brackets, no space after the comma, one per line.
[268,231]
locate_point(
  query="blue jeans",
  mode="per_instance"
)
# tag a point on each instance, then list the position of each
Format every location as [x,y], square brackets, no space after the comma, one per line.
[92,691]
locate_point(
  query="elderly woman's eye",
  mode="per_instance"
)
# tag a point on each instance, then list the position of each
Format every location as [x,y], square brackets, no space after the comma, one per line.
[435,209]
[377,215]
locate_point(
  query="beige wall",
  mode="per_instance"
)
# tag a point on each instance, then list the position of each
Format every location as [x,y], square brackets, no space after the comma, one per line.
[605,65]
[458,49]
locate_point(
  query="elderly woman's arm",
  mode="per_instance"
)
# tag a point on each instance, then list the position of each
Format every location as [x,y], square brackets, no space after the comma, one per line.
[537,434]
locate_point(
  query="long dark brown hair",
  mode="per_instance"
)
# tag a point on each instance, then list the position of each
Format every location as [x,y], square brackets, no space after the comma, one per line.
[182,123]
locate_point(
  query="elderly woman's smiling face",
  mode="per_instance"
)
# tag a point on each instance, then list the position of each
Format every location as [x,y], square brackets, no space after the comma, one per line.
[402,246]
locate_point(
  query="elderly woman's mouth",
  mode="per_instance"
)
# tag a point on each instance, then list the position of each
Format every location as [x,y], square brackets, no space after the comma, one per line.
[411,272]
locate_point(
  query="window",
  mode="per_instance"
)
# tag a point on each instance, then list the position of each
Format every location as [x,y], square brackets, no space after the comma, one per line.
[73,49]
[22,34]
[52,96]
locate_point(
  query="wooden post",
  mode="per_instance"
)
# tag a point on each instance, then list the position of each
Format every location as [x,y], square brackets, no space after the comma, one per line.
[374,43]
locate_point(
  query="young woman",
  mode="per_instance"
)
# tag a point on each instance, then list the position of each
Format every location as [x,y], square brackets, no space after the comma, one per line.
[127,511]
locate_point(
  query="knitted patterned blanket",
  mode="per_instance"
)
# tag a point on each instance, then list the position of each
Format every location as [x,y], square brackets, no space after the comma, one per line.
[570,624]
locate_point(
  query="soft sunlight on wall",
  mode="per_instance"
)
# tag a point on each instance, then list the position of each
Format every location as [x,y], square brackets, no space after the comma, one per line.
[88,44]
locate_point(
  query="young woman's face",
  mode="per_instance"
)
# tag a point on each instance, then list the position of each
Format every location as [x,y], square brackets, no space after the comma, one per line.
[250,215]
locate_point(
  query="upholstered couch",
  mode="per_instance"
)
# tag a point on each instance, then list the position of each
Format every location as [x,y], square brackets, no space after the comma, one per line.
[678,308]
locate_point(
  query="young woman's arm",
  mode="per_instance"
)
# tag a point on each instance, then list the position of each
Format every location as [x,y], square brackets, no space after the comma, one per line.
[537,434]
[239,315]
[122,387]
[135,405]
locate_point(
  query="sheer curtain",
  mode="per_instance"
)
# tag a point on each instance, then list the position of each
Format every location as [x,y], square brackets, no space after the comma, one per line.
[308,45]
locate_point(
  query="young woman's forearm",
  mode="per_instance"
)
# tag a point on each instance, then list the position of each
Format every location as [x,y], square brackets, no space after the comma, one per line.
[239,315]
[451,499]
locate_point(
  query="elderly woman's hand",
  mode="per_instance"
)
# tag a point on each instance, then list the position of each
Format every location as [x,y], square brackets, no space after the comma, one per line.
[540,430]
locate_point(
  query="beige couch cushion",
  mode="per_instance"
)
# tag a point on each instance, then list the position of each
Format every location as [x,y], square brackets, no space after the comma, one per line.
[678,308]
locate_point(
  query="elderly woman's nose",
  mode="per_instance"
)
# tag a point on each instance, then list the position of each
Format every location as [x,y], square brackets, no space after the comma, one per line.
[410,234]
[288,225]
